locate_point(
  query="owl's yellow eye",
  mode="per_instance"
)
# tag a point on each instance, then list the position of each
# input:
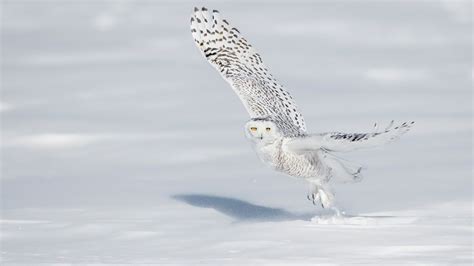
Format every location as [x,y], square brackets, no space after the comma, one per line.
[268,129]
[253,129]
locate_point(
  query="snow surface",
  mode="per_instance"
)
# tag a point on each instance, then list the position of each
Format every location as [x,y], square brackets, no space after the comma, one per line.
[113,151]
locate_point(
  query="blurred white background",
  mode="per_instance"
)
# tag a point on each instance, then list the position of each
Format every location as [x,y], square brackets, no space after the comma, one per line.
[120,144]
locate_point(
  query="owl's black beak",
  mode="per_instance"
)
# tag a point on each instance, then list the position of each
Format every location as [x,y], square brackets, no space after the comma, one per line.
[261,136]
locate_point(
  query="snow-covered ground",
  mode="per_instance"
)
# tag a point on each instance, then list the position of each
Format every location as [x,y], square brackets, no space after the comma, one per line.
[120,144]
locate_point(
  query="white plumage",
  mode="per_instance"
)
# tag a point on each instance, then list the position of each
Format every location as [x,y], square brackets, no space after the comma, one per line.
[276,129]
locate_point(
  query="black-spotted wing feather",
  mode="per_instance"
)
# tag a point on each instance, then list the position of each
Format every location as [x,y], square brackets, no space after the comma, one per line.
[241,66]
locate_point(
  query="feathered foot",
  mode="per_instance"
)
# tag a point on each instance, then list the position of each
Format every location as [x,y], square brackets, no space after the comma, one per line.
[321,194]
[315,198]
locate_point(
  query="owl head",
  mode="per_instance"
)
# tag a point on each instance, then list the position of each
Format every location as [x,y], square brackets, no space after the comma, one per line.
[262,130]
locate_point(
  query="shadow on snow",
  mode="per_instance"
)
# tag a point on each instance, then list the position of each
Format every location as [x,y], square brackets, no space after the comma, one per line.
[239,209]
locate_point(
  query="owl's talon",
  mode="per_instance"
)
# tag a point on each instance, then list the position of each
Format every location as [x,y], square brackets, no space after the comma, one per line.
[314,198]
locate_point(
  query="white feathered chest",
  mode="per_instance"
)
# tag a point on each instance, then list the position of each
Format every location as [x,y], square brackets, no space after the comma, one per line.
[306,165]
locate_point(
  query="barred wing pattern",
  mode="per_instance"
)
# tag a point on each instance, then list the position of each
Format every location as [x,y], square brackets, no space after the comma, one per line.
[343,142]
[349,142]
[242,67]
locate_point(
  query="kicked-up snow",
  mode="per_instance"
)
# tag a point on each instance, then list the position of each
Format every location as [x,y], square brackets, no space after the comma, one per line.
[121,145]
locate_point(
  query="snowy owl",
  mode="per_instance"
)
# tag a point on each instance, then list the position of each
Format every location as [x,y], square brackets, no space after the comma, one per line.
[277,129]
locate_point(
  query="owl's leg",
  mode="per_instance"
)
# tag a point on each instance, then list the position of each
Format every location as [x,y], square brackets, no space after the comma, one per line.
[327,196]
[321,193]
[313,194]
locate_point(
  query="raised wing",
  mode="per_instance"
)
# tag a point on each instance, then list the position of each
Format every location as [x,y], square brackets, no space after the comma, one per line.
[241,66]
[341,142]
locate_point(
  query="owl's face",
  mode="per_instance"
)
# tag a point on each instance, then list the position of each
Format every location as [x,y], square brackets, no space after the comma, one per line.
[262,131]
